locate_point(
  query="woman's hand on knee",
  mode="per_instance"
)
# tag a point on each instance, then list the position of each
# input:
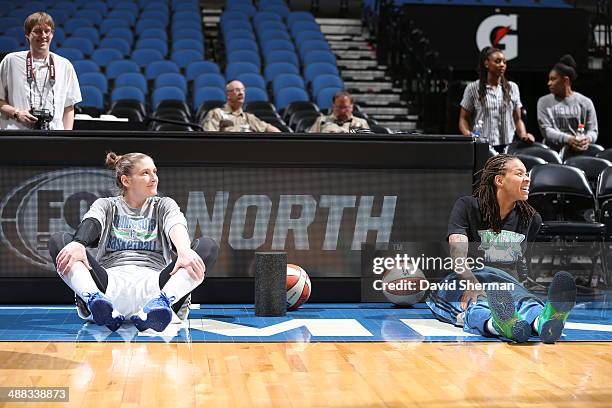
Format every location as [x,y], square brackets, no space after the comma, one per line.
[192,262]
[71,253]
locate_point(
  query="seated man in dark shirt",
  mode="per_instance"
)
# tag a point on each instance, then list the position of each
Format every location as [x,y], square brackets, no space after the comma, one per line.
[501,221]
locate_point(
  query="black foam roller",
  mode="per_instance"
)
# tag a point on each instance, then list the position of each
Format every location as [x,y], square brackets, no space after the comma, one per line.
[270,283]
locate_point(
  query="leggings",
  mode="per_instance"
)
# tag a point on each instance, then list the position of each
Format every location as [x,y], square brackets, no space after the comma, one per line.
[205,247]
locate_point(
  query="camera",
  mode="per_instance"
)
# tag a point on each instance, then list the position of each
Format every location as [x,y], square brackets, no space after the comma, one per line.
[43,116]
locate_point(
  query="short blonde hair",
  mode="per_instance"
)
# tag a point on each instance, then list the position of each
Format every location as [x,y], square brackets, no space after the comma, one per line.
[38,18]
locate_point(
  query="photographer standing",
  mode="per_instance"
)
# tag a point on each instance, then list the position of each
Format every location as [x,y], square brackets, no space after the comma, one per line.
[38,89]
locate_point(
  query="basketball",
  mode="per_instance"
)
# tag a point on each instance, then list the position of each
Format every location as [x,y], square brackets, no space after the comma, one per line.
[402,286]
[298,287]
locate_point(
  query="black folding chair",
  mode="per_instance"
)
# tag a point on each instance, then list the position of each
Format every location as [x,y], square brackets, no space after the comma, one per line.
[564,199]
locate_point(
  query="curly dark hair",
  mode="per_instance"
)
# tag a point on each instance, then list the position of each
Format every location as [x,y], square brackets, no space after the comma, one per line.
[486,194]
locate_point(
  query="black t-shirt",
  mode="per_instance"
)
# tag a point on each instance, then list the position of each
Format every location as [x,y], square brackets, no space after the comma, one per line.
[501,250]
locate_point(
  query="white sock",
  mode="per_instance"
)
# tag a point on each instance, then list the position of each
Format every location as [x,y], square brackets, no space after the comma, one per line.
[79,280]
[535,324]
[490,327]
[180,284]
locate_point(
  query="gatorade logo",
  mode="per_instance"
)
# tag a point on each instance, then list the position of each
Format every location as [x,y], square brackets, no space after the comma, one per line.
[499,31]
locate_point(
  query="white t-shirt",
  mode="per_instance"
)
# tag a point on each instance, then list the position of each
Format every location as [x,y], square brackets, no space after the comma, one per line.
[15,90]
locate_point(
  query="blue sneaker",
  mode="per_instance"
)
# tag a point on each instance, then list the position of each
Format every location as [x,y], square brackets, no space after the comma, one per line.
[156,314]
[506,320]
[561,300]
[101,310]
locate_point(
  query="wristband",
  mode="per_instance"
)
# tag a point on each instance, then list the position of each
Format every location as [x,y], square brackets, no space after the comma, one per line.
[16,114]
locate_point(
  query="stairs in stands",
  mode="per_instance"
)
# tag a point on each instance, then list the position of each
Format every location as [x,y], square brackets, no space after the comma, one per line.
[367,81]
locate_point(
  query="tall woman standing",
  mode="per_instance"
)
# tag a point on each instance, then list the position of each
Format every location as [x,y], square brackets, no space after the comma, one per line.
[494,102]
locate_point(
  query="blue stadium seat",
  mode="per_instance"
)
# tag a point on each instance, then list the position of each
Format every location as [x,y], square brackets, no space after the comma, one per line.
[127,7]
[244,56]
[94,79]
[280,9]
[134,79]
[185,57]
[207,94]
[193,8]
[236,34]
[188,44]
[167,93]
[91,33]
[99,6]
[19,14]
[59,36]
[197,68]
[187,33]
[104,56]
[282,56]
[91,15]
[269,35]
[8,44]
[8,22]
[302,26]
[308,35]
[127,16]
[123,33]
[181,24]
[209,80]
[182,16]
[277,45]
[109,24]
[152,43]
[127,92]
[273,70]
[117,68]
[117,43]
[233,70]
[69,6]
[171,79]
[156,68]
[156,33]
[59,16]
[92,97]
[16,33]
[142,25]
[73,24]
[251,80]
[82,44]
[325,81]
[255,95]
[288,95]
[325,97]
[155,15]
[299,16]
[72,54]
[271,26]
[245,8]
[286,81]
[319,68]
[83,66]
[263,17]
[313,45]
[146,56]
[240,44]
[313,57]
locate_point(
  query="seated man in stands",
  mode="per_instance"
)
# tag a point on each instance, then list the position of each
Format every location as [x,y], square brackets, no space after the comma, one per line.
[341,119]
[231,117]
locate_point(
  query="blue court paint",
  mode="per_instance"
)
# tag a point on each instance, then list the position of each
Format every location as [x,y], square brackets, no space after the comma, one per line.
[362,322]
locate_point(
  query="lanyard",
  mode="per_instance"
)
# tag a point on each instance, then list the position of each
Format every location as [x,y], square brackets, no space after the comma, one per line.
[31,77]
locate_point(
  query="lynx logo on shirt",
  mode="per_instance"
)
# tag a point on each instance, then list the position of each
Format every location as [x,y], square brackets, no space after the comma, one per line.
[135,233]
[504,247]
